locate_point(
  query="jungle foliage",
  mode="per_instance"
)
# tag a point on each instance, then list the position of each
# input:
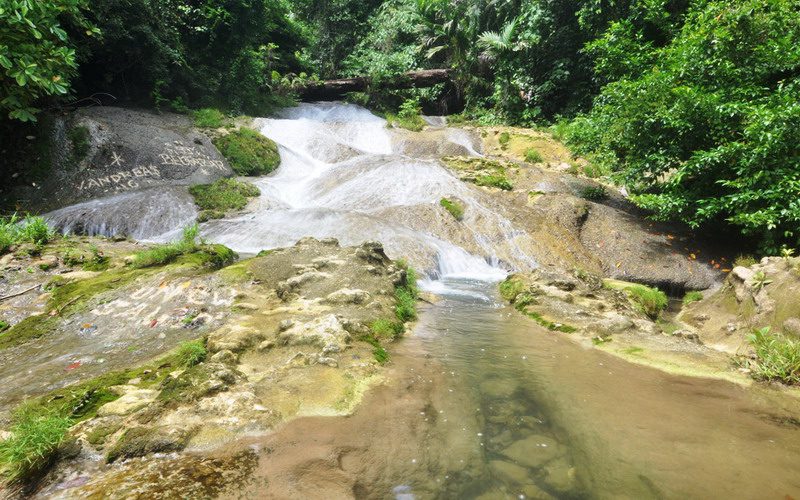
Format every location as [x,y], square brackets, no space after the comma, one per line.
[693,105]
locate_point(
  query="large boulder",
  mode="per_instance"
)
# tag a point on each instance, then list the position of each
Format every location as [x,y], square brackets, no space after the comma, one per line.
[104,151]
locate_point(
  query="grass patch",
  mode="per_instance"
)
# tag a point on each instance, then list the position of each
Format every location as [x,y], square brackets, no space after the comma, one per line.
[4,326]
[15,231]
[406,307]
[39,426]
[79,138]
[36,433]
[744,261]
[550,325]
[533,156]
[209,118]
[413,123]
[248,152]
[692,296]
[499,181]
[387,328]
[380,354]
[513,290]
[223,195]
[406,295]
[455,208]
[215,256]
[777,357]
[504,139]
[650,301]
[594,193]
[192,352]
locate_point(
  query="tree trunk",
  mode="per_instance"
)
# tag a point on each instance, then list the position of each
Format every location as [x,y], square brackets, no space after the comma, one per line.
[331,90]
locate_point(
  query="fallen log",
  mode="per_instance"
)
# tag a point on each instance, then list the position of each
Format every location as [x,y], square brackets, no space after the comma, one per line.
[331,90]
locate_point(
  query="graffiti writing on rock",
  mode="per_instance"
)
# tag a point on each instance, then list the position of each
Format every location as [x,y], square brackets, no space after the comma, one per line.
[125,179]
[186,156]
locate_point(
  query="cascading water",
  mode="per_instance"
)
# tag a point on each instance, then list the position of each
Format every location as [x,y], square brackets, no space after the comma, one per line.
[344,175]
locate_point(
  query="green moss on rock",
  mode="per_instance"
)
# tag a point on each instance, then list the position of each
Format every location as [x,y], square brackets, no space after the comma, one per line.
[223,195]
[141,441]
[248,152]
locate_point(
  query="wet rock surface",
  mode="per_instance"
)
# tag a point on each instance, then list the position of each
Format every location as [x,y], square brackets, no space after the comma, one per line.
[279,344]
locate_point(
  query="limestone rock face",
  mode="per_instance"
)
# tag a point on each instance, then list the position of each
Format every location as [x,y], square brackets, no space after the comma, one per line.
[323,332]
[131,400]
[766,294]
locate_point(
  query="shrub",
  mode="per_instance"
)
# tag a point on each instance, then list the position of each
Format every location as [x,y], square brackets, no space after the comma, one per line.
[498,180]
[408,117]
[455,208]
[36,433]
[533,156]
[209,118]
[594,193]
[4,326]
[777,357]
[223,195]
[192,352]
[705,129]
[692,296]
[249,152]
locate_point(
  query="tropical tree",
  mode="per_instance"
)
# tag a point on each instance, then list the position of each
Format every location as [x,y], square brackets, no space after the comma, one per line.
[37,59]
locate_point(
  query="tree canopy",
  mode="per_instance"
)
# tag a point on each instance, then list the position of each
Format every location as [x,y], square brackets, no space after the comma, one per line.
[692,104]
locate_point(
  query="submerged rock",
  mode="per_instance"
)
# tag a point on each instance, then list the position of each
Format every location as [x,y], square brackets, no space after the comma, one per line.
[141,441]
[534,451]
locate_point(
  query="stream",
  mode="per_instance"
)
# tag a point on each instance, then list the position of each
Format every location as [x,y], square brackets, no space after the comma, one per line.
[481,402]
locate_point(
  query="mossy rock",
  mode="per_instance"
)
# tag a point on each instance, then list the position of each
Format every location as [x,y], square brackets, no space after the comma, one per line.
[223,195]
[248,152]
[142,441]
[199,381]
[99,435]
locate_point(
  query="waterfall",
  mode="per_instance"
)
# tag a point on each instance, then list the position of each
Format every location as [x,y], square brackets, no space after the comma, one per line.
[344,174]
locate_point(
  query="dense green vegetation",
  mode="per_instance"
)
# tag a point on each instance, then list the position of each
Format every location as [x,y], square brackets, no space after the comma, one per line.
[36,433]
[691,104]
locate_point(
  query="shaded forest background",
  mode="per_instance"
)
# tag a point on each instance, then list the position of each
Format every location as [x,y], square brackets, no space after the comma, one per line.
[693,105]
